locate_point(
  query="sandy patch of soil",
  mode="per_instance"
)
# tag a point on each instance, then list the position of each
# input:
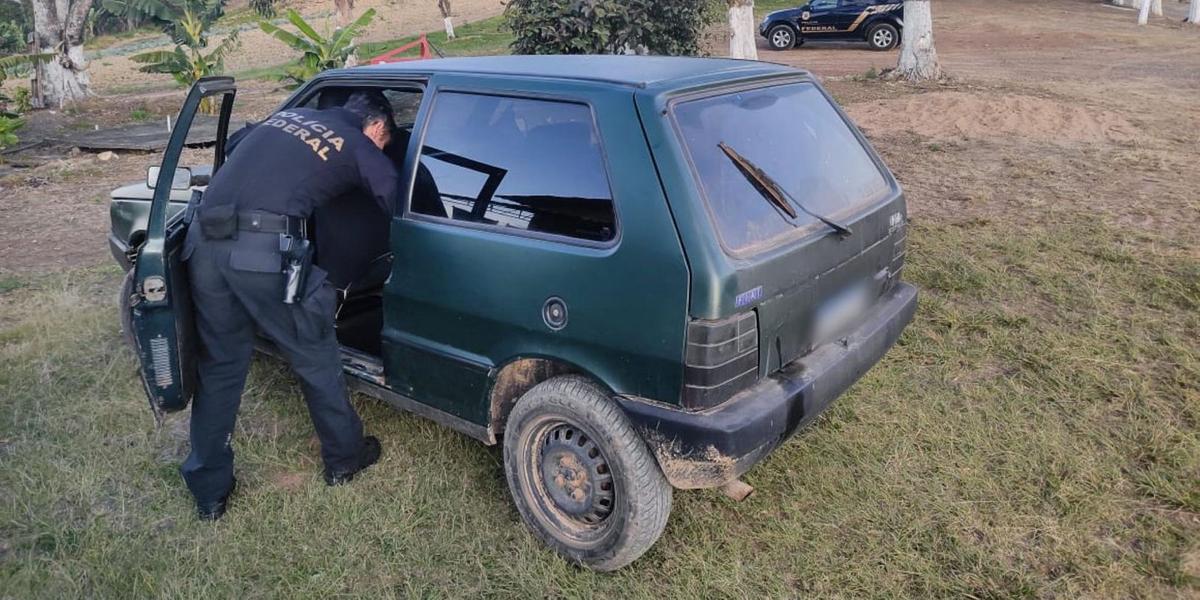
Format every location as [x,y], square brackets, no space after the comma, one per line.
[954,114]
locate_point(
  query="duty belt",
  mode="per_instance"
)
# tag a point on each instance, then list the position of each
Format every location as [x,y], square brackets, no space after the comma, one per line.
[266,222]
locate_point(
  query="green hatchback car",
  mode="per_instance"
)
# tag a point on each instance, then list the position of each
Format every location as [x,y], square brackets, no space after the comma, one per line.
[634,273]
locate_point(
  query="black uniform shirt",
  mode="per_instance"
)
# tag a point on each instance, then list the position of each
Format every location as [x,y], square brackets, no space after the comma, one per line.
[299,159]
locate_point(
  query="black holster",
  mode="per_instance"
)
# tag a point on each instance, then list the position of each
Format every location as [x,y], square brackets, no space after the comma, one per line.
[297,256]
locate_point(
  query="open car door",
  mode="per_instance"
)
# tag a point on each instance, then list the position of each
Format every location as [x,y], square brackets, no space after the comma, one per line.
[161,307]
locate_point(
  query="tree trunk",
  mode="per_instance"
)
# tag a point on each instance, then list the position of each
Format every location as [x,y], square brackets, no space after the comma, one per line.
[64,78]
[447,19]
[1156,8]
[918,58]
[345,11]
[1144,13]
[1194,13]
[741,30]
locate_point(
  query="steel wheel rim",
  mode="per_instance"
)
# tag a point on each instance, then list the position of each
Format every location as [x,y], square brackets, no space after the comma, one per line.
[883,38]
[781,38]
[574,491]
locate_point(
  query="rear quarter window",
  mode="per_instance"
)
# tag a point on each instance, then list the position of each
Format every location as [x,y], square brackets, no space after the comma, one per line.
[792,133]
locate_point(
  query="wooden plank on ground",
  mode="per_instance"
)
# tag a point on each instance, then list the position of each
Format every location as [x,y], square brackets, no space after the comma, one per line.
[146,137]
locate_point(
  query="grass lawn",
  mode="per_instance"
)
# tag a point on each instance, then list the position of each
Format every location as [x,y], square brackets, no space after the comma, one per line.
[478,38]
[1033,434]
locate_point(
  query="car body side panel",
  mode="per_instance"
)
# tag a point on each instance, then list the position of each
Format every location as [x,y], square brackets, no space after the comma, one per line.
[463,301]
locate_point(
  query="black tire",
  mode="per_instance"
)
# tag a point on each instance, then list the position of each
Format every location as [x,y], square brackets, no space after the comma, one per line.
[583,480]
[123,298]
[883,36]
[781,37]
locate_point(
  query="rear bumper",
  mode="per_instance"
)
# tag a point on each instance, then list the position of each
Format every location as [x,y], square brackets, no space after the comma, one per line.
[712,447]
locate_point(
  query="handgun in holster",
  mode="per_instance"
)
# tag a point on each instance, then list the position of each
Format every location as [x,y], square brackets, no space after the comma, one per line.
[297,262]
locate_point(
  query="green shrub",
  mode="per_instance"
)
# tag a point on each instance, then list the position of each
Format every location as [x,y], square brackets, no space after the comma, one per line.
[7,126]
[670,27]
[12,37]
[22,100]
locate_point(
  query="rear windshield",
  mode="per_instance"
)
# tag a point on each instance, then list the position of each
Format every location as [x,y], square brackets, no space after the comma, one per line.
[793,134]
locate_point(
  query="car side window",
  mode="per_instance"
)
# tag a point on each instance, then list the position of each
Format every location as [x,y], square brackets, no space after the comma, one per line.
[823,4]
[517,163]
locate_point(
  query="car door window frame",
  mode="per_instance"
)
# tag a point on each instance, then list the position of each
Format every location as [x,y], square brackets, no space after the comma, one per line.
[417,146]
[306,93]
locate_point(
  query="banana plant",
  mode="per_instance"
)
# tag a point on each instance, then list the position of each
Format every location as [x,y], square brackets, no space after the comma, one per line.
[318,52]
[15,61]
[189,24]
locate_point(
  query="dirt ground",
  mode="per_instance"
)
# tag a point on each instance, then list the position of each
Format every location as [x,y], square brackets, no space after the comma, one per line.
[1062,102]
[112,70]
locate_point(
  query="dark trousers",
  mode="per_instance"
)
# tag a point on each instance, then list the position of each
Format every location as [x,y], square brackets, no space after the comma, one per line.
[238,291]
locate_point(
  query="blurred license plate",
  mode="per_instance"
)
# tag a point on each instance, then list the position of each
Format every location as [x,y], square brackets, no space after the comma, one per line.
[839,313]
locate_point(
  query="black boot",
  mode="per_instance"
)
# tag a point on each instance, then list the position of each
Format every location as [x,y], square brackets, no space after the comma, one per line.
[367,456]
[211,511]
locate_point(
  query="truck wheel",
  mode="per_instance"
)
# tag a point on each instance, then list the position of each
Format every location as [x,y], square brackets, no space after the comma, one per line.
[883,36]
[781,37]
[581,477]
[123,306]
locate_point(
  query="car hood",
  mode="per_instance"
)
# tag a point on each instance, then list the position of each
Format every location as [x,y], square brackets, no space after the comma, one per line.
[787,13]
[141,191]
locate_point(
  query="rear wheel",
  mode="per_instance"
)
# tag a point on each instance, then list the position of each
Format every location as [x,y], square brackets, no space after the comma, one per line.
[583,480]
[883,36]
[781,37]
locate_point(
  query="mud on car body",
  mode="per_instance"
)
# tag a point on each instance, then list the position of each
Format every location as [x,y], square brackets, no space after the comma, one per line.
[634,273]
[877,22]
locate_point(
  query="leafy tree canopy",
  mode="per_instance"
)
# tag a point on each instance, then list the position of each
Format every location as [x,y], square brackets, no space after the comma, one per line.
[670,27]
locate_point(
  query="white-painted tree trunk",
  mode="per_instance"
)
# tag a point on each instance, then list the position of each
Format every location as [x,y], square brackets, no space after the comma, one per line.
[1155,6]
[741,30]
[58,29]
[1194,13]
[447,18]
[1144,13]
[918,58]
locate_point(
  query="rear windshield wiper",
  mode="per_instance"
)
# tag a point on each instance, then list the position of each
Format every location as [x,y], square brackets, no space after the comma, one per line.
[772,191]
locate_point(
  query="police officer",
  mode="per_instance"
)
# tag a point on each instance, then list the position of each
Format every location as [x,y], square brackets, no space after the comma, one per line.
[250,270]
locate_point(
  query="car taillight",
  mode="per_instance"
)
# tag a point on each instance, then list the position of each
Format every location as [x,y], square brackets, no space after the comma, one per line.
[722,359]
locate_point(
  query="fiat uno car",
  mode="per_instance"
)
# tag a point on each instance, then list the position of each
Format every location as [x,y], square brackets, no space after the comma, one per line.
[634,273]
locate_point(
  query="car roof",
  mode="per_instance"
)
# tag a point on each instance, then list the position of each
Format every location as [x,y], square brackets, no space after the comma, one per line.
[635,71]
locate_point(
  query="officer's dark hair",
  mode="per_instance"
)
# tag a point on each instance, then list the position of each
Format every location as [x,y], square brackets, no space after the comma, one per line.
[371,106]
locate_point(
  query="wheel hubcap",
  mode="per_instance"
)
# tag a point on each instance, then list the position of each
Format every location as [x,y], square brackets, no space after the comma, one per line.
[576,475]
[883,38]
[781,38]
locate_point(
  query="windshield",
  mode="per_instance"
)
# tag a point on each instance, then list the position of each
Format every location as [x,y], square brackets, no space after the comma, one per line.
[796,137]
